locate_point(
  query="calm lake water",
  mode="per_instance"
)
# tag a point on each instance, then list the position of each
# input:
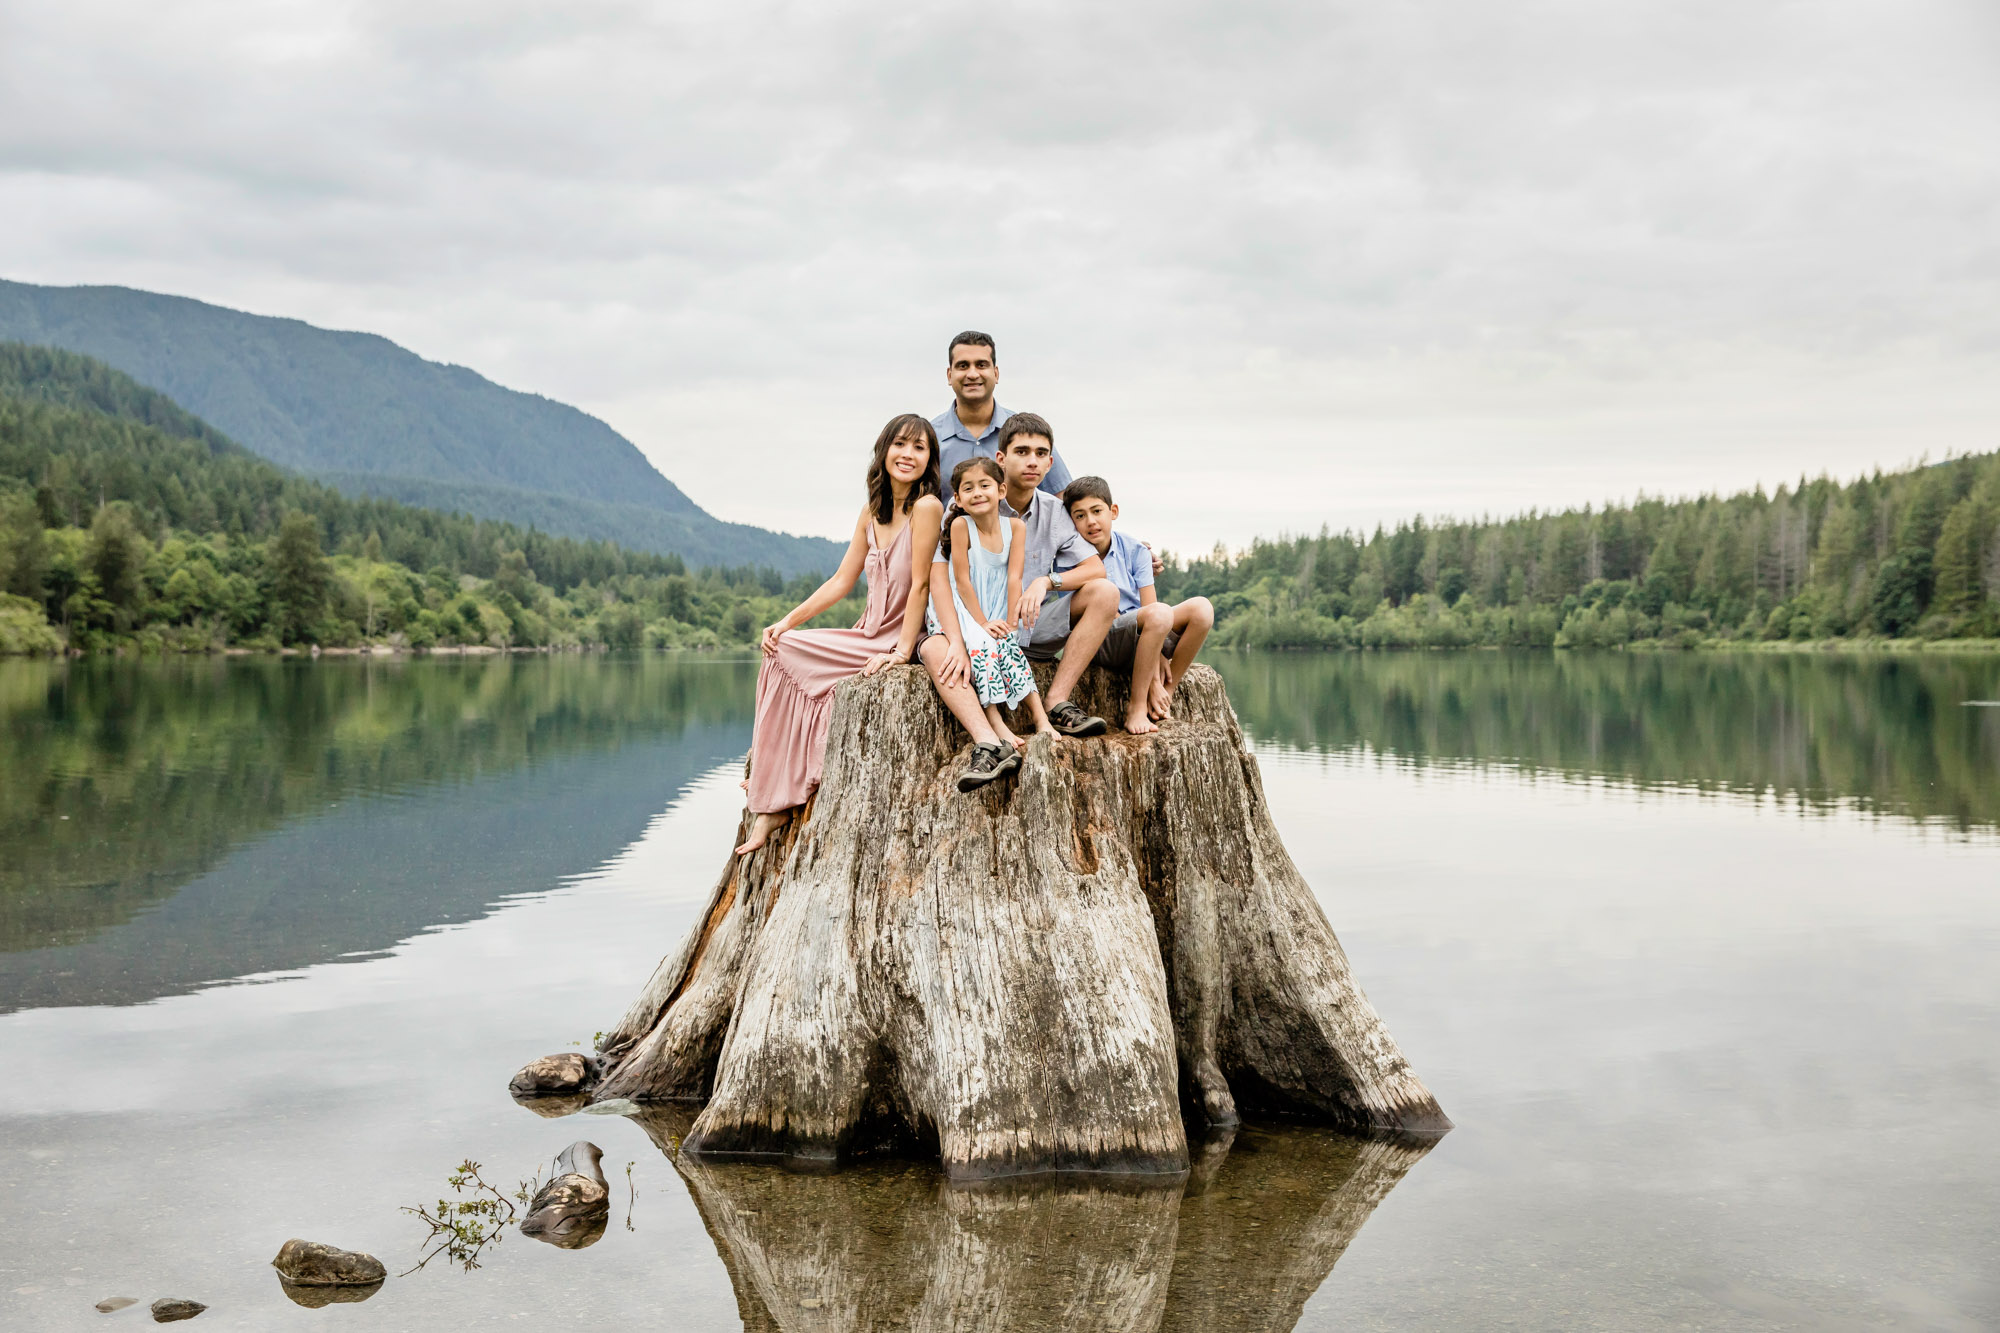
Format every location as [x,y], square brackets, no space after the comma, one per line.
[1698,951]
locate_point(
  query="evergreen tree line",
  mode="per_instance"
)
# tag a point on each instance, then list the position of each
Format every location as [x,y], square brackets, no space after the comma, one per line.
[125,520]
[1914,553]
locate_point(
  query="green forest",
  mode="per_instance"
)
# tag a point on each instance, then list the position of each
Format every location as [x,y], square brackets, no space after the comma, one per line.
[126,522]
[1912,555]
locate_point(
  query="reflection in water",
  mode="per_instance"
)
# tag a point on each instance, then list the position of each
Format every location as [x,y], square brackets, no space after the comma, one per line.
[125,779]
[1885,732]
[314,1298]
[141,849]
[1242,1245]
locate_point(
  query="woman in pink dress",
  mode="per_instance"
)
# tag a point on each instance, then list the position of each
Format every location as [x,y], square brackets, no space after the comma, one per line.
[893,541]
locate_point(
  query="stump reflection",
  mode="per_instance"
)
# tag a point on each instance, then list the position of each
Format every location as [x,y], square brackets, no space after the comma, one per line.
[1242,1244]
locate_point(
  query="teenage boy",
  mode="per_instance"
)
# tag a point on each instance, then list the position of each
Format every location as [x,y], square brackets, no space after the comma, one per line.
[1066,605]
[971,425]
[1155,640]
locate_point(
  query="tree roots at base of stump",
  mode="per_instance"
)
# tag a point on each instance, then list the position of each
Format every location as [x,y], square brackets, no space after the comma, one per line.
[1039,976]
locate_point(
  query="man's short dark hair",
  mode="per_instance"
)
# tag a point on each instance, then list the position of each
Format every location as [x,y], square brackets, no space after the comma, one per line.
[1024,423]
[972,338]
[1087,488]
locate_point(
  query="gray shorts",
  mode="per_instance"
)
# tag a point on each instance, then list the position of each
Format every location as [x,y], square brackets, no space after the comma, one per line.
[1121,643]
[1051,631]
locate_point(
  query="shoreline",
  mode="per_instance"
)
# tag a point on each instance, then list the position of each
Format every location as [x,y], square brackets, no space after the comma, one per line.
[1805,647]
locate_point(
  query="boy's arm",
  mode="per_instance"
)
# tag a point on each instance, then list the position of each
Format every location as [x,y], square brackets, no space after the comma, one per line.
[1143,568]
[1017,562]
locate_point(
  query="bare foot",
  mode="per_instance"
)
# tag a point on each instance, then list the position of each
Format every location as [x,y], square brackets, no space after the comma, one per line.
[1007,737]
[760,831]
[1138,723]
[1159,701]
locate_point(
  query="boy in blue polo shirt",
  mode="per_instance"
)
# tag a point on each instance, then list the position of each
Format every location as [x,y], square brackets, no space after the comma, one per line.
[1157,641]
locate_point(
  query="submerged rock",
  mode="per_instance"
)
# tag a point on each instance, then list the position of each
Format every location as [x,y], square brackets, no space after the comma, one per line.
[172,1309]
[314,1298]
[616,1106]
[568,1071]
[111,1303]
[308,1263]
[572,1209]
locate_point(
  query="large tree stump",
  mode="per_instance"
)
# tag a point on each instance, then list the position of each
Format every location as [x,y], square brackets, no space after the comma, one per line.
[1032,977]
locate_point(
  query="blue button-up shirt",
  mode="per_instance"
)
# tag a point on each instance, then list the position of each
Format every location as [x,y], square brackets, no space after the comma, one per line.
[956,444]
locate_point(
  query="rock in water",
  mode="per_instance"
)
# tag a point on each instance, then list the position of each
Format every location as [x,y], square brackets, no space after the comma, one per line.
[572,1209]
[307,1263]
[112,1303]
[554,1075]
[172,1309]
[1033,977]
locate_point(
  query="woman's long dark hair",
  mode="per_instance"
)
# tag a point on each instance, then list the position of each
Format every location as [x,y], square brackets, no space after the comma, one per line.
[952,512]
[881,493]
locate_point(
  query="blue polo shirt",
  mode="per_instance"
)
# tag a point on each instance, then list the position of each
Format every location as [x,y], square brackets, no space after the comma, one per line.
[956,444]
[1129,566]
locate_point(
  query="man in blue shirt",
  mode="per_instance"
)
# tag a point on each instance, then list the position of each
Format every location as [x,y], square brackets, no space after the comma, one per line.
[970,427]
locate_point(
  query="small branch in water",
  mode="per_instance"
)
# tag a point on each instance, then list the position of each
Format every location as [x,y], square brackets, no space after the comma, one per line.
[462,1229]
[631,1196]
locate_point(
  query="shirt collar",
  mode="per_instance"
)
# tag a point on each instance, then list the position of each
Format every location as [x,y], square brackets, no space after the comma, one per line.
[1034,498]
[958,428]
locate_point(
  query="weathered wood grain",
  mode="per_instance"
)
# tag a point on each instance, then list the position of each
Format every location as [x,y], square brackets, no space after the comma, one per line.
[1033,977]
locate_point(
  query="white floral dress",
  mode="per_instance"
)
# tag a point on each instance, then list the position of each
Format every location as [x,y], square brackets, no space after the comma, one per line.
[1000,671]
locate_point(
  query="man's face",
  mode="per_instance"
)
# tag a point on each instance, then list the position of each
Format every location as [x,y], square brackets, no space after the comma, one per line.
[972,373]
[1026,461]
[1093,519]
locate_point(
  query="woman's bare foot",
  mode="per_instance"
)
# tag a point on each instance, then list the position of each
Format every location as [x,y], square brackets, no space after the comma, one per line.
[1138,723]
[761,830]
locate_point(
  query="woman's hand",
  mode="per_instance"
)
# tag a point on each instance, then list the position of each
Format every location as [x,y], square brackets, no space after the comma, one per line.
[881,660]
[1000,629]
[771,636]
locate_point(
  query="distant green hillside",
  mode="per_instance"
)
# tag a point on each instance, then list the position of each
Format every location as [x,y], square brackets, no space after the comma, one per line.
[126,522]
[373,418]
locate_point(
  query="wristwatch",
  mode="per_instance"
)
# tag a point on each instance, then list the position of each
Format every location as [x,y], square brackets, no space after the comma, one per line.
[1055,579]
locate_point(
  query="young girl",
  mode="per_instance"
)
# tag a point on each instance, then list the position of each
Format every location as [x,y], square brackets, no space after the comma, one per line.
[987,552]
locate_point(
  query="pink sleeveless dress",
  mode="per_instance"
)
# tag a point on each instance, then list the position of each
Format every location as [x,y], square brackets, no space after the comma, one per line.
[795,685]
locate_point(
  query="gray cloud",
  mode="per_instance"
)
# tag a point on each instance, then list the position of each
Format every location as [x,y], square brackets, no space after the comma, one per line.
[1383,258]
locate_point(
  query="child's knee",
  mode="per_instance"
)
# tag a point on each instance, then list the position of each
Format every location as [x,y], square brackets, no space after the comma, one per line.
[1158,616]
[1200,612]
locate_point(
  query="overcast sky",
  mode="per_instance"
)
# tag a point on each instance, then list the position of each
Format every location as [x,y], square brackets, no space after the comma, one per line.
[1265,266]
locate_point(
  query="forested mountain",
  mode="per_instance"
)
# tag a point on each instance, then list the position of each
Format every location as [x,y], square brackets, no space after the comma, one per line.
[1914,553]
[370,417]
[126,520]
